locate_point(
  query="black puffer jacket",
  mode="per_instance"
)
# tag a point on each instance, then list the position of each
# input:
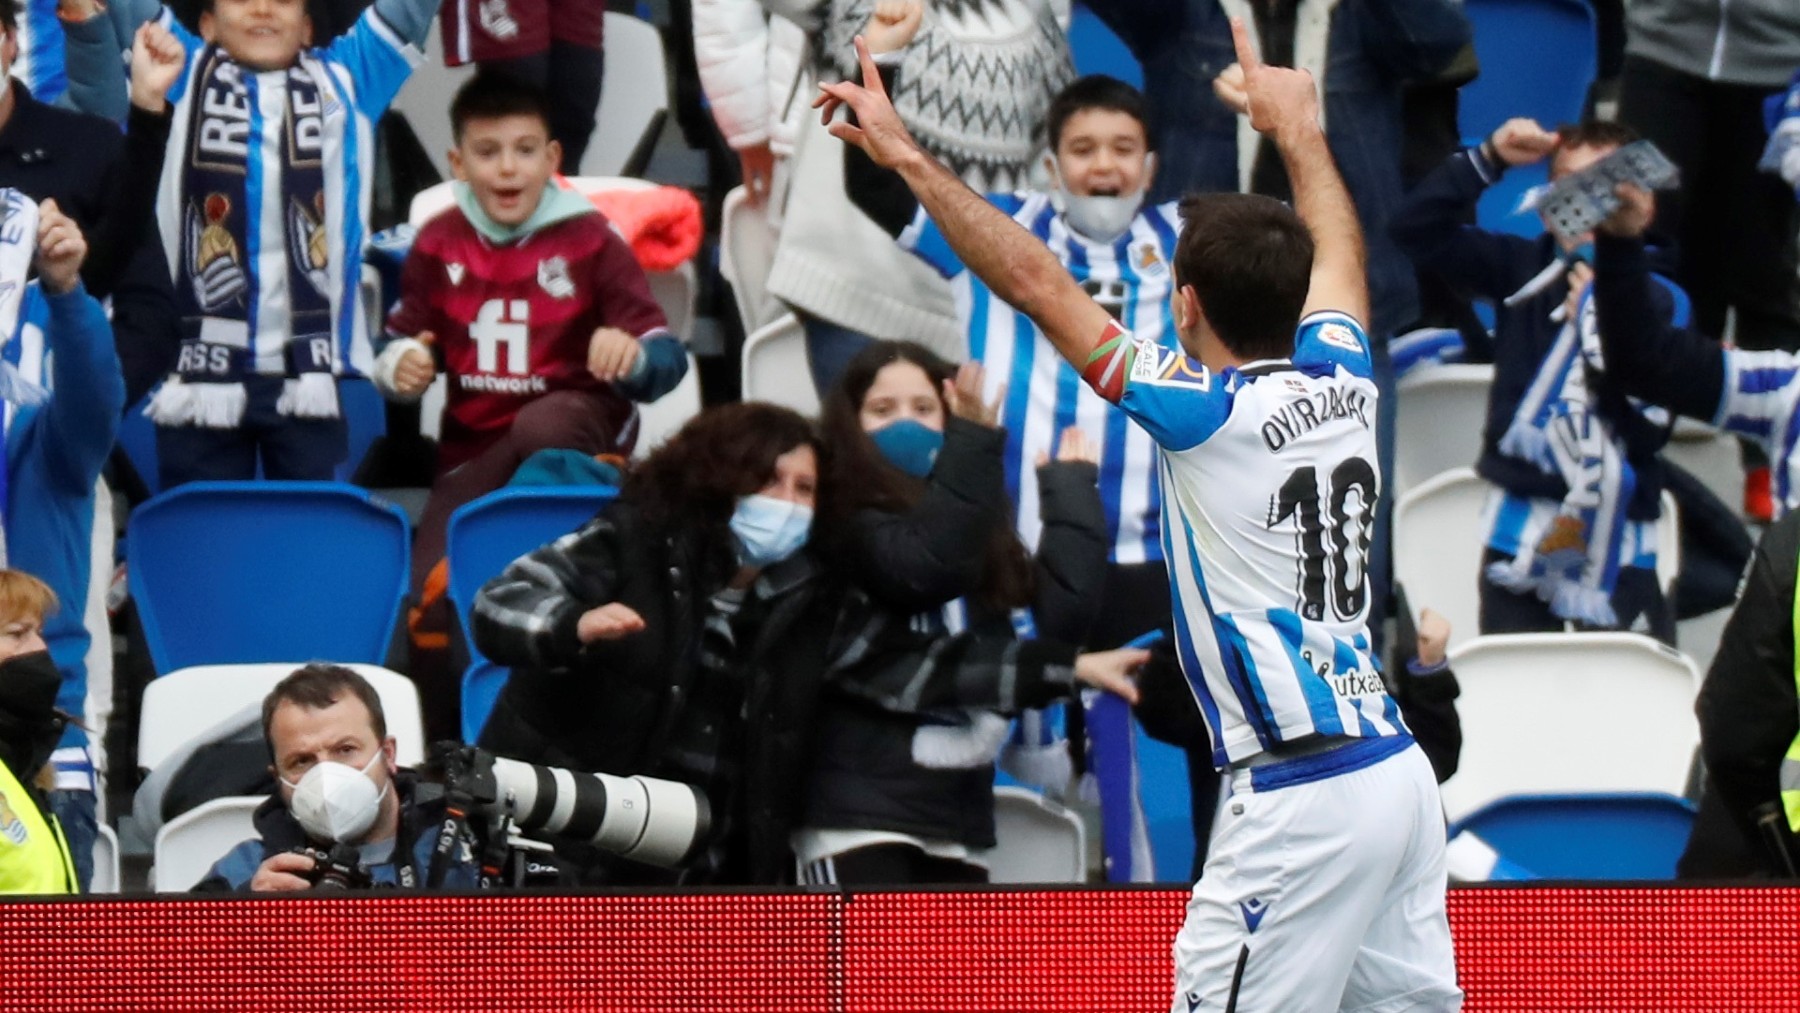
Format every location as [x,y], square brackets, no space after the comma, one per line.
[900,672]
[614,706]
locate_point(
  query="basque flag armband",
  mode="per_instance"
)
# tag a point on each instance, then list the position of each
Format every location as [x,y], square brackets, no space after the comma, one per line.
[1110,362]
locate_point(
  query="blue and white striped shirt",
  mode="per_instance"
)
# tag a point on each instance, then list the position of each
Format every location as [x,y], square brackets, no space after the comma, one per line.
[1131,278]
[1758,403]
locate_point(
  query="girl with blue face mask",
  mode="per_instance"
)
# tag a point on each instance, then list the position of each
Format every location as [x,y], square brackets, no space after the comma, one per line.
[920,527]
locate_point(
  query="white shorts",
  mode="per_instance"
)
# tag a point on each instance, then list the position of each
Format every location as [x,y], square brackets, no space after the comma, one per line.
[1323,895]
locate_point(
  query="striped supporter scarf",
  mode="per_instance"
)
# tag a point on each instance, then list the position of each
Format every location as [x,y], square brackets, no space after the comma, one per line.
[1572,562]
[233,266]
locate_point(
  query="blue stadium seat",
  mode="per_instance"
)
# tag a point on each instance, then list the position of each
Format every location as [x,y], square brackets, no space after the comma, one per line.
[485,536]
[1495,211]
[228,572]
[1098,51]
[481,686]
[137,437]
[1144,796]
[1538,59]
[365,416]
[1632,835]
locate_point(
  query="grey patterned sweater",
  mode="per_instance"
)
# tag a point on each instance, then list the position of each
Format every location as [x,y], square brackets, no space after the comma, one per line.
[975,84]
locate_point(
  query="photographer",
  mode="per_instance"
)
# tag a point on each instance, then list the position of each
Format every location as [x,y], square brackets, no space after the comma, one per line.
[339,784]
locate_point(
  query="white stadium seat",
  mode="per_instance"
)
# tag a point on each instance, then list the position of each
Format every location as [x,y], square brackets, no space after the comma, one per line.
[1439,416]
[189,701]
[775,367]
[1036,840]
[188,845]
[1438,536]
[746,253]
[1558,713]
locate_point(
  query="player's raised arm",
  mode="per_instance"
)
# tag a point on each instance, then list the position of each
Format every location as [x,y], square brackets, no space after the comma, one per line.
[1013,263]
[1283,105]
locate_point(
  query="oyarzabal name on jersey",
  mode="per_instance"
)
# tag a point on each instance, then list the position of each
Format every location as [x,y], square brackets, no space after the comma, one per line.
[1304,414]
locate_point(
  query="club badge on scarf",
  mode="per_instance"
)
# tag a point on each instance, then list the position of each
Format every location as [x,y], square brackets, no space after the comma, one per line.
[226,271]
[1572,563]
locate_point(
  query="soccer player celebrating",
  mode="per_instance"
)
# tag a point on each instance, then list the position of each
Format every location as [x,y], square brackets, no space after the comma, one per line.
[1324,884]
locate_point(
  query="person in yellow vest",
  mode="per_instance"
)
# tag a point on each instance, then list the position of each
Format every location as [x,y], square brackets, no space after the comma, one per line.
[34,857]
[1750,725]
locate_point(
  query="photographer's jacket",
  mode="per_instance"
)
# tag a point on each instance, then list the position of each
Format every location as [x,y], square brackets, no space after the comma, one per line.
[421,816]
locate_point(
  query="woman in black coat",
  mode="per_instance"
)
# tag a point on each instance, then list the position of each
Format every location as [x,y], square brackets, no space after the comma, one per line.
[682,633]
[919,526]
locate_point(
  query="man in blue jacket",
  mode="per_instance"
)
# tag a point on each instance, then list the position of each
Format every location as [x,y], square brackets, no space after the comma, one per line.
[338,782]
[57,439]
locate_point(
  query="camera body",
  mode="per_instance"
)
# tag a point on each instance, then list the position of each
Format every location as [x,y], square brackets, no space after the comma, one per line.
[337,868]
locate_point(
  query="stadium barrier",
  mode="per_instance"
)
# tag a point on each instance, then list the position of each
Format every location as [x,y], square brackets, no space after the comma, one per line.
[1520,948]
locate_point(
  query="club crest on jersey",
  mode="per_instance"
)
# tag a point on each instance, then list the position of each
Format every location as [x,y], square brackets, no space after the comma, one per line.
[214,261]
[1147,259]
[11,826]
[1339,336]
[497,19]
[455,271]
[553,277]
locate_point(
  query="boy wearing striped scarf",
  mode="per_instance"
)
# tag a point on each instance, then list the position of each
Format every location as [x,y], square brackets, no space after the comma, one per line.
[1573,459]
[262,212]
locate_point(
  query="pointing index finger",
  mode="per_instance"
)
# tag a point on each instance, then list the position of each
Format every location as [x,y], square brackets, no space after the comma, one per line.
[1246,53]
[871,74]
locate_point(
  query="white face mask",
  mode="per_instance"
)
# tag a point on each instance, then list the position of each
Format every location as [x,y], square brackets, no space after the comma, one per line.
[1102,219]
[336,802]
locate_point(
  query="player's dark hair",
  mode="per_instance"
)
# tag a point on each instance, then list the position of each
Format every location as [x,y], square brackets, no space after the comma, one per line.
[1097,91]
[492,96]
[318,686]
[9,15]
[861,478]
[1249,259]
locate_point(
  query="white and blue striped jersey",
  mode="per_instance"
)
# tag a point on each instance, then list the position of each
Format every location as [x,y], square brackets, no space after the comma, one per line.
[1269,481]
[358,74]
[1759,402]
[1044,394]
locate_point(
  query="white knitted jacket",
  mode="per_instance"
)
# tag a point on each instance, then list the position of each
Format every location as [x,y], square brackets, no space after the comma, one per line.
[974,88]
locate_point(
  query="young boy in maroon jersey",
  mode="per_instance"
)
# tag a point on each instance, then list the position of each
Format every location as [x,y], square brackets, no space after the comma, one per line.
[530,302]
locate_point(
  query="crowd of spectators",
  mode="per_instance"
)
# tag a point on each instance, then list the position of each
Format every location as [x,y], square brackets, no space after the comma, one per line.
[832,626]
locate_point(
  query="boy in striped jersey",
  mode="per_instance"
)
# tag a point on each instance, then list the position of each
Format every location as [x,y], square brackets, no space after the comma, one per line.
[1119,251]
[1751,394]
[1324,884]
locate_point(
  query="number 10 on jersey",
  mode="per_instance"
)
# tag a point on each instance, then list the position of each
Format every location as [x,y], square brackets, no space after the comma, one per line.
[1332,527]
